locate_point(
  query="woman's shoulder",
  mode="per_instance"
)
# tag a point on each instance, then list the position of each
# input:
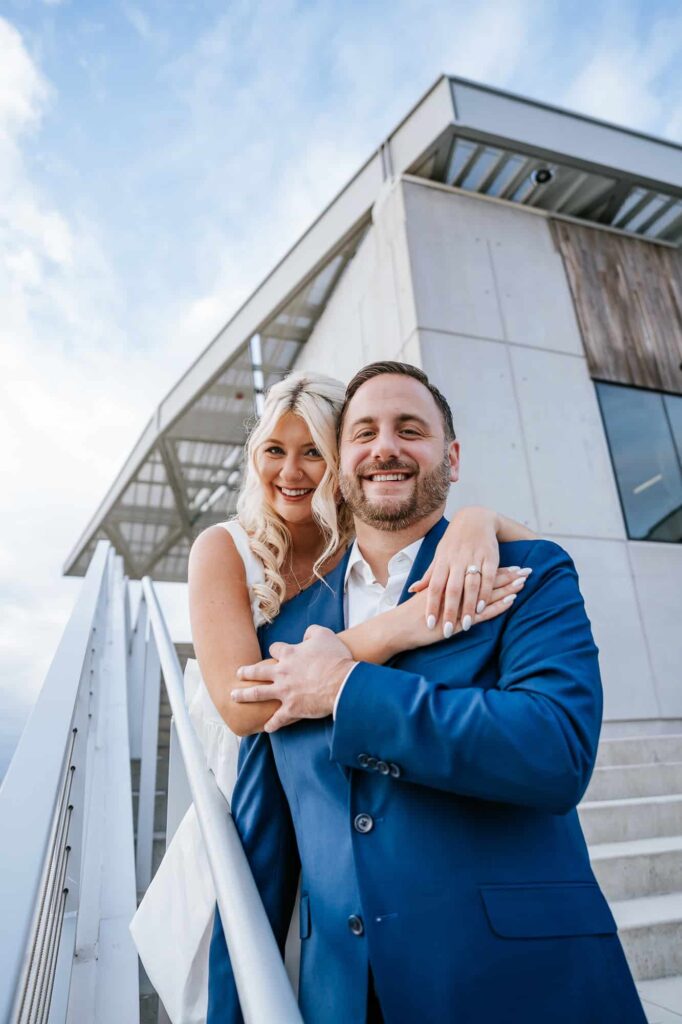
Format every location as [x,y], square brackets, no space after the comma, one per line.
[231,538]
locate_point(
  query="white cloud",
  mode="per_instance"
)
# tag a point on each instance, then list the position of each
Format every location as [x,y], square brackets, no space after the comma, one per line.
[74,392]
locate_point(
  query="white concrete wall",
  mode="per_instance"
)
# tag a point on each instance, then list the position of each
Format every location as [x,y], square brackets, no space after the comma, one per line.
[498,334]
[476,293]
[371,314]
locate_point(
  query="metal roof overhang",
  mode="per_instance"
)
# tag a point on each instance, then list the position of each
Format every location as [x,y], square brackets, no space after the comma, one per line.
[183,473]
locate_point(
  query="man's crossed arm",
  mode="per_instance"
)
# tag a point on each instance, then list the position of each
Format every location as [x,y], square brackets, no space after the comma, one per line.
[531,739]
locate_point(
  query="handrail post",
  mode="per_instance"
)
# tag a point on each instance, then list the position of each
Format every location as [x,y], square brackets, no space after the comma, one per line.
[136,659]
[151,681]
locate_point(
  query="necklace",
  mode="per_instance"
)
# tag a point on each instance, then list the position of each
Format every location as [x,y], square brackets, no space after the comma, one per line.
[296,579]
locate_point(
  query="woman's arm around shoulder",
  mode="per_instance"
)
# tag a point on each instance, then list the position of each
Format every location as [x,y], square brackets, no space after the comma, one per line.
[223,632]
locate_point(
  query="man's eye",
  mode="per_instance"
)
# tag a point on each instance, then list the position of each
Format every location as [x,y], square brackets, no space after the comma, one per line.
[362,435]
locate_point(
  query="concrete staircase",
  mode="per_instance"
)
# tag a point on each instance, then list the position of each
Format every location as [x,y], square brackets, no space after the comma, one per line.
[632,819]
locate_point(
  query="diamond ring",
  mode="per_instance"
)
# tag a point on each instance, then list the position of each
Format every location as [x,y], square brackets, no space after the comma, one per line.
[471,570]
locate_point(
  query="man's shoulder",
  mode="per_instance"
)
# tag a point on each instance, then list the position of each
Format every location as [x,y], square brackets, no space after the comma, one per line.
[534,554]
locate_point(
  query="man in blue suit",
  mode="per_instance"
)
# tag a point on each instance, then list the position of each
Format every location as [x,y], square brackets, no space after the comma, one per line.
[429,803]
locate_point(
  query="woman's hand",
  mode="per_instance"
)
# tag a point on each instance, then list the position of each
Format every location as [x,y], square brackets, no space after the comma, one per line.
[507,584]
[453,595]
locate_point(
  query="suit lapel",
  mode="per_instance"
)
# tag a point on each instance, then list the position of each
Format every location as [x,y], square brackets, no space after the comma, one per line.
[424,556]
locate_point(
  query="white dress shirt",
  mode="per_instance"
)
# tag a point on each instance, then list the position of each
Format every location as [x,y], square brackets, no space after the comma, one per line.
[364,597]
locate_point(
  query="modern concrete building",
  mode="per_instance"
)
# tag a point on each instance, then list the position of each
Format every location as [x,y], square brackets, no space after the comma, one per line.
[528,259]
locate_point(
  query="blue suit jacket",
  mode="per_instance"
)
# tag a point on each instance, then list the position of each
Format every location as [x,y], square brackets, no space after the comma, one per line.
[436,817]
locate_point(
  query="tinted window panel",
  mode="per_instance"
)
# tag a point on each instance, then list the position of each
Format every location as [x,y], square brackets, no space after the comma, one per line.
[646,460]
[673,407]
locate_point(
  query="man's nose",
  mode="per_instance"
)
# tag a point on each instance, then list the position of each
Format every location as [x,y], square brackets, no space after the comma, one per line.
[386,446]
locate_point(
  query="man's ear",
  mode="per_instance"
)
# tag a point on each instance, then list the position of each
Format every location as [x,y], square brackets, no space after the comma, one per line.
[453,456]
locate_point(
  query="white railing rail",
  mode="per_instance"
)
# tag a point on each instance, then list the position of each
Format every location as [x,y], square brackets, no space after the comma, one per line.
[56,868]
[69,873]
[265,993]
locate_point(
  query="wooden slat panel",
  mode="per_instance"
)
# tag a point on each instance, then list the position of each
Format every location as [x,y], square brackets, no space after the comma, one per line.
[628,298]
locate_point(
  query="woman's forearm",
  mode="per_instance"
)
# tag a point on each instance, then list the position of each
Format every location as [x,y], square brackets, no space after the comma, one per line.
[399,629]
[508,530]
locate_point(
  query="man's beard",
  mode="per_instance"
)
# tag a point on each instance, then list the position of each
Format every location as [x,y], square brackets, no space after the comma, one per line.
[429,492]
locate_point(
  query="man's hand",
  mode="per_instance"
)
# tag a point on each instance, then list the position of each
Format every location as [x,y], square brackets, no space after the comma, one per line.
[305,678]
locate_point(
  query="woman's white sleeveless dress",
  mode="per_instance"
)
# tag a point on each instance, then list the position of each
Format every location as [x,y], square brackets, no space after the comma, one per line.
[173,924]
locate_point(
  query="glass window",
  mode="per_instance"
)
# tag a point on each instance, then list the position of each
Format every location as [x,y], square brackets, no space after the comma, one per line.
[644,430]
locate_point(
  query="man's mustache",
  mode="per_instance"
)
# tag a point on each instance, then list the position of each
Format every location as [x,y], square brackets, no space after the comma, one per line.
[392,466]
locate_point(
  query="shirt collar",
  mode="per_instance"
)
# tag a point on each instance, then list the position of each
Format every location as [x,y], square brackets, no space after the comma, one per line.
[401,562]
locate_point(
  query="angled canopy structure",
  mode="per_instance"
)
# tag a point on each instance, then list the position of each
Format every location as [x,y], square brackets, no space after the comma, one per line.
[184,472]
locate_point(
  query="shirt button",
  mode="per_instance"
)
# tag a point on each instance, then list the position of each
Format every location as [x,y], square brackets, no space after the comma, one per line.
[394,770]
[371,762]
[355,924]
[363,759]
[383,767]
[363,823]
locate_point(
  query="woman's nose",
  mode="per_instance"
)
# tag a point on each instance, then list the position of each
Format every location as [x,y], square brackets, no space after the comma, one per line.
[291,470]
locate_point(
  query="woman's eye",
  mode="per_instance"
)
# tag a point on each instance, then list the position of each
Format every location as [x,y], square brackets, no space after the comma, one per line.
[274,450]
[314,453]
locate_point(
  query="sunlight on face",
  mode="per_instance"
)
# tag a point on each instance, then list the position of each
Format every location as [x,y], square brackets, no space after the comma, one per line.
[290,468]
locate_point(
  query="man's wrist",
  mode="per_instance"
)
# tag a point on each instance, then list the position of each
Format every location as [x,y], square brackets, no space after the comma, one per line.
[349,665]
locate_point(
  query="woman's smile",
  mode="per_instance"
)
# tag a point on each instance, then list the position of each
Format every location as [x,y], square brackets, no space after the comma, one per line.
[294,493]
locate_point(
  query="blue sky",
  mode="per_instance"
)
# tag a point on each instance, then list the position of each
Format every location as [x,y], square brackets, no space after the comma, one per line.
[157,158]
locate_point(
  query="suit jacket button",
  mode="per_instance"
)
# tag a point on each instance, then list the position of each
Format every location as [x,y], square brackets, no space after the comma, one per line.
[394,770]
[363,759]
[363,823]
[371,762]
[383,767]
[355,924]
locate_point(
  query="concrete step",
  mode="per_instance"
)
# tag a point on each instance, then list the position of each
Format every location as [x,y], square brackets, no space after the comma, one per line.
[639,867]
[620,782]
[662,999]
[639,750]
[613,821]
[650,929]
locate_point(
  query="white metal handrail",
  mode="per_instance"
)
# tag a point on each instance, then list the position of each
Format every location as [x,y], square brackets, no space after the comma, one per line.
[46,814]
[69,872]
[265,993]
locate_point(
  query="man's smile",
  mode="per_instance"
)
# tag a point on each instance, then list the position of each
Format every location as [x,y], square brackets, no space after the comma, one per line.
[382,478]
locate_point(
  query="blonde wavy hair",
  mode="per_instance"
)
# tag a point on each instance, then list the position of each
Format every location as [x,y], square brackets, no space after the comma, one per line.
[317,399]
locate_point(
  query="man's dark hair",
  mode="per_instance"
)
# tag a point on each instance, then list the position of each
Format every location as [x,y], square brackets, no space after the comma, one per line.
[403,370]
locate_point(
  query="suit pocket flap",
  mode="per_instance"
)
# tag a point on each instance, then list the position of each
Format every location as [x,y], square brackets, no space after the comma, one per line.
[547,910]
[304,916]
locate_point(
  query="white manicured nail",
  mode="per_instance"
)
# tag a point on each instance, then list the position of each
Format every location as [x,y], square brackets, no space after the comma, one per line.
[511,568]
[448,630]
[525,572]
[431,622]
[519,582]
[509,598]
[466,622]
[480,607]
